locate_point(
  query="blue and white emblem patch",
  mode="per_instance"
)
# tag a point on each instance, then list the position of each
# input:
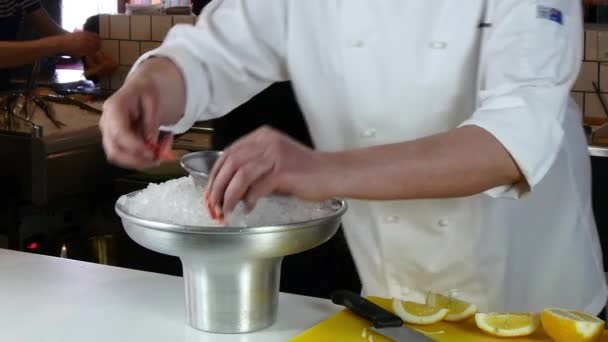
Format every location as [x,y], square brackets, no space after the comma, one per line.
[550,13]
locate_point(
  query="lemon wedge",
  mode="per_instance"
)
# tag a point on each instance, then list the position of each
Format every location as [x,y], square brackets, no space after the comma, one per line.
[458,310]
[507,324]
[571,326]
[415,313]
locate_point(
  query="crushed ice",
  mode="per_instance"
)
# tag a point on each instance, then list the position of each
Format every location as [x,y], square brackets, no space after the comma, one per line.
[179,201]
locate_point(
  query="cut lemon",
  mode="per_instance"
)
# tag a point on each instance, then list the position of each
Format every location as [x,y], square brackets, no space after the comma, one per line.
[507,324]
[459,310]
[571,326]
[415,313]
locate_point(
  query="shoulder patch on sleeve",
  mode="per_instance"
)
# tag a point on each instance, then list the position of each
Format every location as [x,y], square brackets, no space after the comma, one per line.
[550,13]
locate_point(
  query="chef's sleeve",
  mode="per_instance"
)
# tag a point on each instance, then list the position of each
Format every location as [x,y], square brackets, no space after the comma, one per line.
[233,52]
[530,57]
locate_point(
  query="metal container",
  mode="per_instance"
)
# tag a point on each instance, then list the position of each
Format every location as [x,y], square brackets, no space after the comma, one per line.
[104,249]
[199,165]
[231,274]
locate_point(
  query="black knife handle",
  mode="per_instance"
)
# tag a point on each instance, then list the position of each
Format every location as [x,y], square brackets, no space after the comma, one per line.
[380,317]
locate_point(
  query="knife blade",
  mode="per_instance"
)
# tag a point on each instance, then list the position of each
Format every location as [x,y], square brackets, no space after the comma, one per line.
[401,334]
[385,322]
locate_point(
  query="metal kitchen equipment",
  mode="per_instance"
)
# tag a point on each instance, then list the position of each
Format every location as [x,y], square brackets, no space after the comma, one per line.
[199,165]
[231,274]
[47,177]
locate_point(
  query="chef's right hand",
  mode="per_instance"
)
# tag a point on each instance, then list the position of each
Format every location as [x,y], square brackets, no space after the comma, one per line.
[152,96]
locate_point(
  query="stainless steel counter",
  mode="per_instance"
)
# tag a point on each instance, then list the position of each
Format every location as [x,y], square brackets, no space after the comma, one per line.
[598,151]
[46,174]
[57,162]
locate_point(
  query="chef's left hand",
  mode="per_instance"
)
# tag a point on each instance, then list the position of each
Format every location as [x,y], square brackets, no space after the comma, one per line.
[266,162]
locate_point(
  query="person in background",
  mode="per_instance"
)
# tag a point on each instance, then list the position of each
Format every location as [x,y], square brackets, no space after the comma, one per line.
[447,124]
[13,53]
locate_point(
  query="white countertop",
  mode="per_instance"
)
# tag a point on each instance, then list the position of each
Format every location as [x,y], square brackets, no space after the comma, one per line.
[46,299]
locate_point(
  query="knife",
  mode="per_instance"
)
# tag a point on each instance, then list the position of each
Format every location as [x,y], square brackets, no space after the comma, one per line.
[385,322]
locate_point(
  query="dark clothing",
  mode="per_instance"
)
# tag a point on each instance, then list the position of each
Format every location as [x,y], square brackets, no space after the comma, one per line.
[15,9]
[276,106]
[198,5]
[12,13]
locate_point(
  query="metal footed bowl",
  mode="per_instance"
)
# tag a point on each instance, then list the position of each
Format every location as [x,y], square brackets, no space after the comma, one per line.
[231,275]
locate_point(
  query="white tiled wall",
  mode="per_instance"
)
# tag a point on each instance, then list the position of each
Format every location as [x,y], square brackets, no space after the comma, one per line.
[119,27]
[160,26]
[111,48]
[148,46]
[183,19]
[602,44]
[126,37]
[104,26]
[129,52]
[593,106]
[593,69]
[588,75]
[603,77]
[140,27]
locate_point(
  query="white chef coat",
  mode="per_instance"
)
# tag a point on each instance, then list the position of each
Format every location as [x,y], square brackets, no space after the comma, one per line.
[372,72]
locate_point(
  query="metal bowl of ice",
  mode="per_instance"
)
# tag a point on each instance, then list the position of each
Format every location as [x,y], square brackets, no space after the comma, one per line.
[199,164]
[232,272]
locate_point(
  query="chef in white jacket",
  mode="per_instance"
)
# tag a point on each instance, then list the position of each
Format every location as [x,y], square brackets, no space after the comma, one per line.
[446,123]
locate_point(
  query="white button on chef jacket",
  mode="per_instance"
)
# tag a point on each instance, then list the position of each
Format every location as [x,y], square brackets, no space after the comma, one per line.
[368,133]
[421,68]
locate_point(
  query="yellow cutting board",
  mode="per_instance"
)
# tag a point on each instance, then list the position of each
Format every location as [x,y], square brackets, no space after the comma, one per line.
[345,326]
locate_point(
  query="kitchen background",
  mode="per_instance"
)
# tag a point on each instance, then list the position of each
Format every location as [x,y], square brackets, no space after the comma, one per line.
[58,191]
